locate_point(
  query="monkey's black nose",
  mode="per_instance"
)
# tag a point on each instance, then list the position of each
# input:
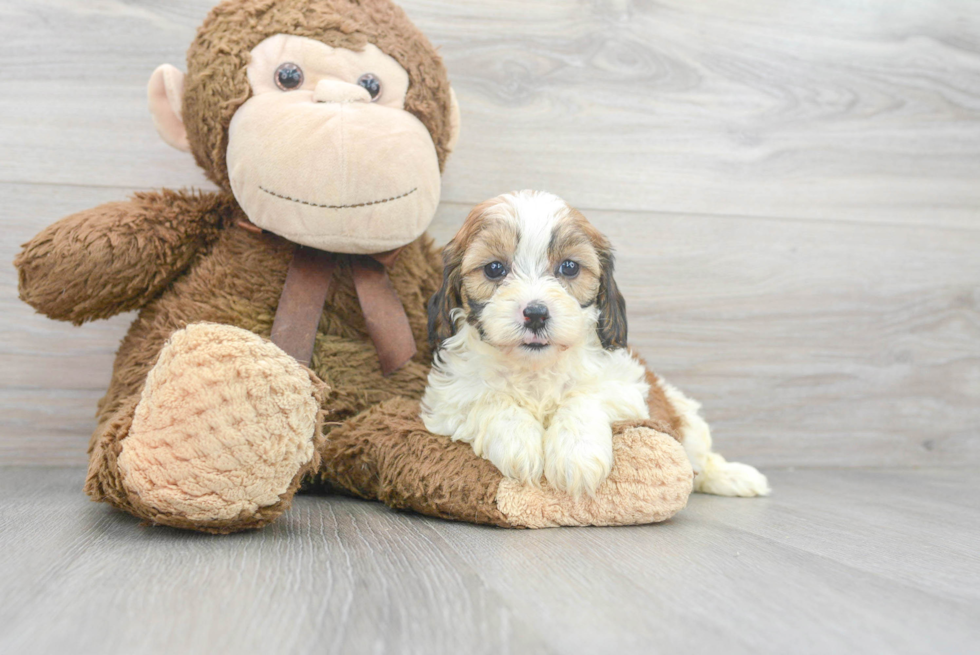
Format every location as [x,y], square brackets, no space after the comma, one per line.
[535,316]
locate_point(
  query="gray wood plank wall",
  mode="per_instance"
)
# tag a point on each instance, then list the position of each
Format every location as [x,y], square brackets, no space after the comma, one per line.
[794,189]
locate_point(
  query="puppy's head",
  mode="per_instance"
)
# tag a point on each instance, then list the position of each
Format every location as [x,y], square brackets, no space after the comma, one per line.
[532,276]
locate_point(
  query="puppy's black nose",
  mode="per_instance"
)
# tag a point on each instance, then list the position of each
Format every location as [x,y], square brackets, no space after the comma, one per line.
[535,316]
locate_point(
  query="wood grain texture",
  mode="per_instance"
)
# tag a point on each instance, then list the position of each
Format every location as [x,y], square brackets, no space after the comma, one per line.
[835,561]
[793,190]
[867,111]
[809,343]
[330,578]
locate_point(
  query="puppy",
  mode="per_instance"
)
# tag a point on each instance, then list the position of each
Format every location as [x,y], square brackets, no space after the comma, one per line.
[531,365]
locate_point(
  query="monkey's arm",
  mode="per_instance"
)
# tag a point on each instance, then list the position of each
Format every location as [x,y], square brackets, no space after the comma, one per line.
[116,257]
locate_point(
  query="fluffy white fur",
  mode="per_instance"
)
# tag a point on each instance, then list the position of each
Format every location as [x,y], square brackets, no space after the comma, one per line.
[534,415]
[548,411]
[712,473]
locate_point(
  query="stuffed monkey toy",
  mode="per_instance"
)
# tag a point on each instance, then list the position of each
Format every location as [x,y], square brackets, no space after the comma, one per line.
[281,341]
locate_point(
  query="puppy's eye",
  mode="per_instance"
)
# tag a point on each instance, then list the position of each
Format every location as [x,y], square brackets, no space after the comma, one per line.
[494,270]
[568,268]
[289,76]
[373,85]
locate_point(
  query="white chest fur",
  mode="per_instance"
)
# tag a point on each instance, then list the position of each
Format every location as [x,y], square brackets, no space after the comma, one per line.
[516,415]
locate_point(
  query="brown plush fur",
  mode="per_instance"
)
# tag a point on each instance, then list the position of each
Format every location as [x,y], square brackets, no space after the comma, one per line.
[236,279]
[117,257]
[387,454]
[663,415]
[216,85]
[183,258]
[238,283]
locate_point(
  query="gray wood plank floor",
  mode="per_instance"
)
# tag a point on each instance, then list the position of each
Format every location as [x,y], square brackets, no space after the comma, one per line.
[857,561]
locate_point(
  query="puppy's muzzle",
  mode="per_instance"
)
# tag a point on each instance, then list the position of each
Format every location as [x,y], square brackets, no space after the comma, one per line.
[535,317]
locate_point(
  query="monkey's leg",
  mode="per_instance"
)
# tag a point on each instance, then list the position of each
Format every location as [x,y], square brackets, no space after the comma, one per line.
[222,434]
[385,453]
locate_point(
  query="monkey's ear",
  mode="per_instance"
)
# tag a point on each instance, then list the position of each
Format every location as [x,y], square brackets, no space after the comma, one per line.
[446,299]
[165,94]
[612,307]
[454,119]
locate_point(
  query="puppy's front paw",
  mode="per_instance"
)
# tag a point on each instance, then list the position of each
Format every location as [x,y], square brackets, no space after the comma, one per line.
[578,455]
[514,445]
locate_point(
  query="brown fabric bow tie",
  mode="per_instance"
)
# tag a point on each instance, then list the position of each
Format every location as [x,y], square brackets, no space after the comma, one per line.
[303,295]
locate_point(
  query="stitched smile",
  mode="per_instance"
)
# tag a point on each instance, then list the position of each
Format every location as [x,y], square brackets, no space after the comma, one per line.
[360,204]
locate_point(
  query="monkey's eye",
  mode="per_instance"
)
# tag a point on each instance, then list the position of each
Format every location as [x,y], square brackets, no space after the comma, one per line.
[289,76]
[568,268]
[373,85]
[495,270]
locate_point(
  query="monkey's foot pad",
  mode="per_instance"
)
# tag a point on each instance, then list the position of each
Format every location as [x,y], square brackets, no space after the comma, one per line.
[223,432]
[650,481]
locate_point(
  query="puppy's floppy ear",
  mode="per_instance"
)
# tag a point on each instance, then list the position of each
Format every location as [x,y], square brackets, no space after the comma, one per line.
[611,304]
[609,301]
[450,296]
[447,298]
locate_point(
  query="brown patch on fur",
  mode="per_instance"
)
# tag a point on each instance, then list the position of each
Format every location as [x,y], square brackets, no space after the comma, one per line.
[387,454]
[611,303]
[663,416]
[574,238]
[216,84]
[496,241]
[451,295]
[440,307]
[612,307]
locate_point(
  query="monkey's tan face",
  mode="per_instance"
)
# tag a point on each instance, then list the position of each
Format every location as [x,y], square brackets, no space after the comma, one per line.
[324,153]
